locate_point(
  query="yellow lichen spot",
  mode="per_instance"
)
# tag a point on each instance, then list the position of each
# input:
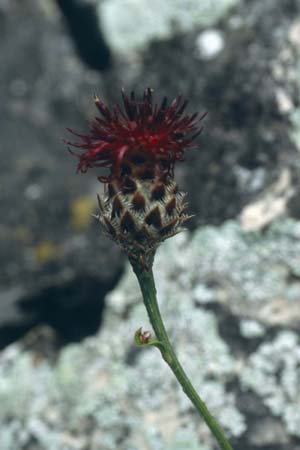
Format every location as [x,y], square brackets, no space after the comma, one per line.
[47,251]
[23,234]
[81,212]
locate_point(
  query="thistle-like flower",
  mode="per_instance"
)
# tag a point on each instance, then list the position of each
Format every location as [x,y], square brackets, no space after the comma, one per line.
[142,205]
[139,145]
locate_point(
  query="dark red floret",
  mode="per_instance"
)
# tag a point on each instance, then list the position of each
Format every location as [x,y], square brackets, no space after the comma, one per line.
[161,134]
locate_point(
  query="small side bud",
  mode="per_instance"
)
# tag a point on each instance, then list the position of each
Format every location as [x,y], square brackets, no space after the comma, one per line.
[143,339]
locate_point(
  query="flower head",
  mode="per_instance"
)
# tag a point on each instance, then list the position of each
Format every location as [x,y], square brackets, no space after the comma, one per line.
[141,205]
[140,133]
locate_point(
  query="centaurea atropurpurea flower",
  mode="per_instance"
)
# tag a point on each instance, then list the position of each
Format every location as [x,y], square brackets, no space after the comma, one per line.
[142,206]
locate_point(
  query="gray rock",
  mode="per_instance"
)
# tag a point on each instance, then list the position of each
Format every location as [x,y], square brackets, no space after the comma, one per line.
[47,235]
[108,395]
[250,89]
[273,373]
[230,297]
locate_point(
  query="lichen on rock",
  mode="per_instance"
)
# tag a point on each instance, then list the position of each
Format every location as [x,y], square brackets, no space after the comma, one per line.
[160,21]
[103,394]
[273,372]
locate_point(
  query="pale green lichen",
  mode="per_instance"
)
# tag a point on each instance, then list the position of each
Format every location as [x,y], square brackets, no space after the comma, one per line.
[231,264]
[251,329]
[273,372]
[92,398]
[130,25]
[295,122]
[104,394]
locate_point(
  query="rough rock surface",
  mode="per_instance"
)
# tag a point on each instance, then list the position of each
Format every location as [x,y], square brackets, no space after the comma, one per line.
[48,238]
[244,70]
[240,349]
[235,59]
[229,292]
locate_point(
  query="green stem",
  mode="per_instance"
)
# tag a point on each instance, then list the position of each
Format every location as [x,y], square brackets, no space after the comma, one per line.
[147,285]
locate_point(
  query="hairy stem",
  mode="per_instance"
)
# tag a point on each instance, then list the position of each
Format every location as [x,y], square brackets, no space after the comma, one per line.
[146,281]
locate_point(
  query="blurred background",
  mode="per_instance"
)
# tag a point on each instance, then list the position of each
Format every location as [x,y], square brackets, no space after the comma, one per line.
[229,287]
